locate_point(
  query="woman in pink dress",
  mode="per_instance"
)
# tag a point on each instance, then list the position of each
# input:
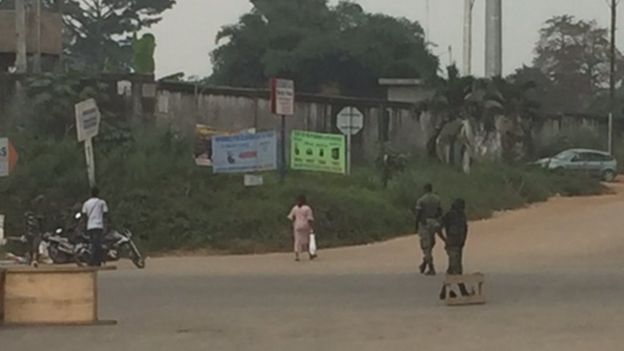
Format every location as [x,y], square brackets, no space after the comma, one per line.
[303,225]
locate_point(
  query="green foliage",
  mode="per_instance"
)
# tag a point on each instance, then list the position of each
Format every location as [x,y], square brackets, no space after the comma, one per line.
[482,101]
[570,139]
[320,46]
[575,56]
[154,188]
[53,99]
[7,4]
[101,31]
[143,54]
[390,164]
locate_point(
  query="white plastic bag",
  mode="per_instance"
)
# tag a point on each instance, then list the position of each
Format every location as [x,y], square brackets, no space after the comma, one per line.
[313,247]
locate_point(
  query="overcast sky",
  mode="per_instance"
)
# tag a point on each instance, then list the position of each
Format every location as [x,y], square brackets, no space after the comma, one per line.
[186,35]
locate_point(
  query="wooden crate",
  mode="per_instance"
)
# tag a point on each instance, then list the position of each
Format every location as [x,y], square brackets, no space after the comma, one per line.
[473,282]
[49,296]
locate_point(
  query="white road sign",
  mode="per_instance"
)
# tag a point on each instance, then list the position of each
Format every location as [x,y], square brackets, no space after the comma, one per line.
[4,157]
[8,157]
[252,180]
[283,97]
[87,120]
[350,121]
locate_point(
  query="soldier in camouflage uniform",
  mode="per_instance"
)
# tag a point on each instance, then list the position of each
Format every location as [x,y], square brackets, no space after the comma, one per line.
[455,225]
[428,213]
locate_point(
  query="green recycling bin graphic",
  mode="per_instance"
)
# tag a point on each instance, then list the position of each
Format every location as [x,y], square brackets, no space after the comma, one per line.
[318,152]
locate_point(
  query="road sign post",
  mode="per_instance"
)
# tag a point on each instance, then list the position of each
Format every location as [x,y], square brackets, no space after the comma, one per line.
[283,104]
[283,165]
[90,159]
[88,119]
[350,122]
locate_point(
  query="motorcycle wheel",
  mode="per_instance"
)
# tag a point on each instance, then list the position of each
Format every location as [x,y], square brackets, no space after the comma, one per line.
[135,256]
[82,259]
[79,262]
[56,255]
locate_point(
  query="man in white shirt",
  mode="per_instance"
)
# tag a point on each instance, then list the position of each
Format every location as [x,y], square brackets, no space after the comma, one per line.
[95,211]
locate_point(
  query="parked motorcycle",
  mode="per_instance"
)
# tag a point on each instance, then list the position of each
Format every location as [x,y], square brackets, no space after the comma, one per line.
[60,249]
[63,244]
[77,248]
[116,245]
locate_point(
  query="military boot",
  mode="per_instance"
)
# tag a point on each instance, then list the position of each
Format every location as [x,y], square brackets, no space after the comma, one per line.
[423,267]
[431,271]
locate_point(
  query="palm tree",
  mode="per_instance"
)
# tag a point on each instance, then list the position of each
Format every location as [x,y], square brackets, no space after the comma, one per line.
[479,118]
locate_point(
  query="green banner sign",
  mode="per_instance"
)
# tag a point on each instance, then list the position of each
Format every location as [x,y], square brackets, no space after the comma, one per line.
[318,152]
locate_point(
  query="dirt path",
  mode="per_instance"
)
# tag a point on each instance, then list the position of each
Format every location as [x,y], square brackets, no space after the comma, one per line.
[554,278]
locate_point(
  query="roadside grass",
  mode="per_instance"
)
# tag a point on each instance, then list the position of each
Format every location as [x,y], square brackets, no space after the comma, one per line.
[154,188]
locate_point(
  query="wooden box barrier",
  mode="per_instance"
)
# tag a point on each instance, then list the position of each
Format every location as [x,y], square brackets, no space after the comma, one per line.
[49,296]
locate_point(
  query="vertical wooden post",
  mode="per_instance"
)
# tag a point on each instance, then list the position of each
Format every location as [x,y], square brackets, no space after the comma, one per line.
[2,294]
[61,61]
[21,58]
[283,162]
[90,160]
[37,54]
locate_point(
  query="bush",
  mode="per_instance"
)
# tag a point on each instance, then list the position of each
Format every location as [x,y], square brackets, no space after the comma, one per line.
[584,138]
[154,188]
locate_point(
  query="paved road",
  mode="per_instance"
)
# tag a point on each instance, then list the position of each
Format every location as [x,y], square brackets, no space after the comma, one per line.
[555,281]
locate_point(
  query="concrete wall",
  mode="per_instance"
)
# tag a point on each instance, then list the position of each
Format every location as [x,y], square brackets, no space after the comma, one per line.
[400,125]
[183,106]
[574,125]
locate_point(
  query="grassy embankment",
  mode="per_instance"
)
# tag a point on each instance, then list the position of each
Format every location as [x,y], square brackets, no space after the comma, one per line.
[154,188]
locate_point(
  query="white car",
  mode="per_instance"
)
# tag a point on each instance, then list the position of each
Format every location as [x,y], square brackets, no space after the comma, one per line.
[595,162]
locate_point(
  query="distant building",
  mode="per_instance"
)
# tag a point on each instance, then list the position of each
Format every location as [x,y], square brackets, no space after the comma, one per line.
[51,35]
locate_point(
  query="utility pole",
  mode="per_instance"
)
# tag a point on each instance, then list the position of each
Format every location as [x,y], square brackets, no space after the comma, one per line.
[468,7]
[494,39]
[61,60]
[451,58]
[37,56]
[21,58]
[614,4]
[427,24]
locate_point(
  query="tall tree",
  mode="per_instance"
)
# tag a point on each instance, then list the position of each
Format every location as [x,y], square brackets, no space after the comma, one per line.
[101,31]
[320,46]
[574,55]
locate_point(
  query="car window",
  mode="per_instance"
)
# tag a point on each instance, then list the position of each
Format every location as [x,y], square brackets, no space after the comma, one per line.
[566,155]
[578,158]
[595,157]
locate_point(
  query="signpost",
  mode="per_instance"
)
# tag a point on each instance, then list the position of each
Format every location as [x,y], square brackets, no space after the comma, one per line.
[350,122]
[2,239]
[318,152]
[8,157]
[283,104]
[88,119]
[244,153]
[203,142]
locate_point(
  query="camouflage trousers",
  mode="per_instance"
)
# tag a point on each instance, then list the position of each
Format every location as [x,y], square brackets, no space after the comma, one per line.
[455,257]
[427,232]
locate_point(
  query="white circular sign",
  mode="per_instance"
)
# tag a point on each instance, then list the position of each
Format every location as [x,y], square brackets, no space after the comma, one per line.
[350,121]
